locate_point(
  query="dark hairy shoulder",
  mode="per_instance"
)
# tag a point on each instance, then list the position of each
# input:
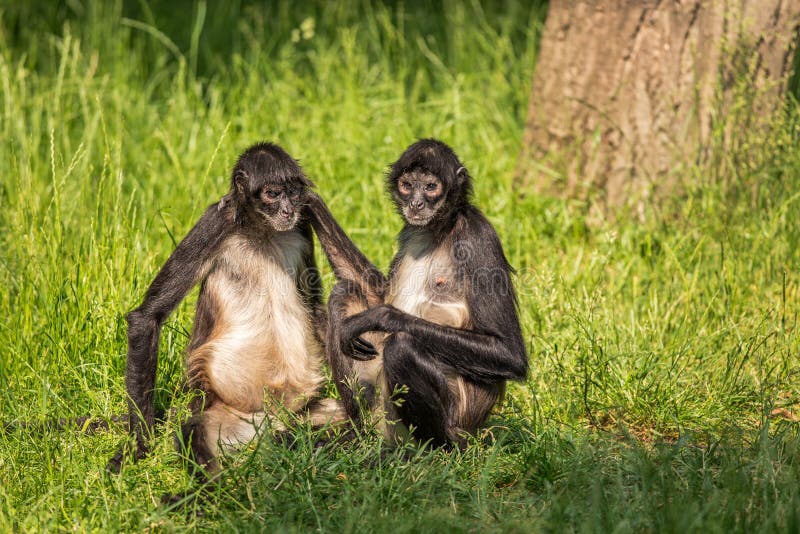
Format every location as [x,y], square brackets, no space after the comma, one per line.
[476,243]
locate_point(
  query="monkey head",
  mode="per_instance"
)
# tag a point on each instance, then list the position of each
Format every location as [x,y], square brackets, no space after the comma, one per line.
[428,182]
[268,186]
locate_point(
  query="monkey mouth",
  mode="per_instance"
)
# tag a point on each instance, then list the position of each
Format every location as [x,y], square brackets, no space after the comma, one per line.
[282,223]
[417,219]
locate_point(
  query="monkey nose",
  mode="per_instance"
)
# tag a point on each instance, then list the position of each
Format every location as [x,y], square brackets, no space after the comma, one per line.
[416,205]
[286,214]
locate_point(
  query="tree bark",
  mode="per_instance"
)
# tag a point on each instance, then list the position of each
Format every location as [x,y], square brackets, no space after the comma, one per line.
[627,92]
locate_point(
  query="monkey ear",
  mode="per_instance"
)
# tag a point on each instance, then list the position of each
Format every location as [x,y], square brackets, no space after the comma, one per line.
[461,175]
[240,183]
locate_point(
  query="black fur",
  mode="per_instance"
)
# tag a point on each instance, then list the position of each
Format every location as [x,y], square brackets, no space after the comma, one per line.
[421,355]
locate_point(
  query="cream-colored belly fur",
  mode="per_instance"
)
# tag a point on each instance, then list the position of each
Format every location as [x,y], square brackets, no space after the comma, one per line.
[425,285]
[263,350]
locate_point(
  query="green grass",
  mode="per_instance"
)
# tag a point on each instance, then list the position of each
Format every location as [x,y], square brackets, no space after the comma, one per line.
[658,349]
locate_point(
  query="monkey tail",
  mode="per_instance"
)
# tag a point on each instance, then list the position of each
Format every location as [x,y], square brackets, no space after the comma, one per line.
[87,424]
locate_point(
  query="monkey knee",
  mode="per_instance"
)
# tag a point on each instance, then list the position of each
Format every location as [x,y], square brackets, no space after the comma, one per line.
[346,299]
[340,292]
[400,344]
[400,338]
[399,355]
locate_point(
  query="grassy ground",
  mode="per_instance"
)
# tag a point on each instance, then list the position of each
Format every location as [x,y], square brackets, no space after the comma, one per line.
[664,372]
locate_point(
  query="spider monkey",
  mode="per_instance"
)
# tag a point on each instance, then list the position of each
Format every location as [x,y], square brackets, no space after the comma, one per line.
[255,347]
[443,325]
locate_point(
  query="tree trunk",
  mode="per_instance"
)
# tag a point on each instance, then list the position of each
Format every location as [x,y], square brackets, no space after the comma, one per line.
[626,92]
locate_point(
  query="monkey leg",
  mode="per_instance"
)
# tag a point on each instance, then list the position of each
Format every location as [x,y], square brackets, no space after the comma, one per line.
[351,377]
[428,404]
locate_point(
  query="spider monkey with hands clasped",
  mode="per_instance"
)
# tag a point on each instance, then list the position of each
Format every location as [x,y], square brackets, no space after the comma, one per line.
[255,347]
[443,327]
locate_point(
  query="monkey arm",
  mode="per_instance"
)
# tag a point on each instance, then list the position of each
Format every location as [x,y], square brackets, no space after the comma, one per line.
[187,264]
[347,261]
[481,357]
[309,283]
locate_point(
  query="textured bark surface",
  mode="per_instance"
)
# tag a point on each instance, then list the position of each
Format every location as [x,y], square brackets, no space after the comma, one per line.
[625,92]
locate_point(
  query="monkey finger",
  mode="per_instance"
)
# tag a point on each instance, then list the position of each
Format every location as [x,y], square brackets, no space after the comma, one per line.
[363,346]
[351,350]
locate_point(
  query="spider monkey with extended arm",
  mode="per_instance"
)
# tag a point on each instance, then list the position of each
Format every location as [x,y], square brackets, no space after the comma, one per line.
[255,346]
[444,325]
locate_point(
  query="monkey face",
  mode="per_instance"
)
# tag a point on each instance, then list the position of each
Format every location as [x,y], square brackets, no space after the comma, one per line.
[428,183]
[281,205]
[419,195]
[268,185]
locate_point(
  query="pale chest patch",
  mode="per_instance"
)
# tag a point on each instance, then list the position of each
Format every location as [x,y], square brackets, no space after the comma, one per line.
[426,284]
[263,347]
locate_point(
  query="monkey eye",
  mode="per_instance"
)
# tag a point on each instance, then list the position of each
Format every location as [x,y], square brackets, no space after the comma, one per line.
[272,194]
[405,186]
[431,186]
[293,192]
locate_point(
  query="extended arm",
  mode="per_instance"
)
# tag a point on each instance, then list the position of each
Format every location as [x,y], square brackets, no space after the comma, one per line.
[481,357]
[309,283]
[188,263]
[347,261]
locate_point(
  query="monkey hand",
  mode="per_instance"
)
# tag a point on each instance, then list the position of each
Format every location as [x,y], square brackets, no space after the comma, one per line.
[381,318]
[377,319]
[359,349]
